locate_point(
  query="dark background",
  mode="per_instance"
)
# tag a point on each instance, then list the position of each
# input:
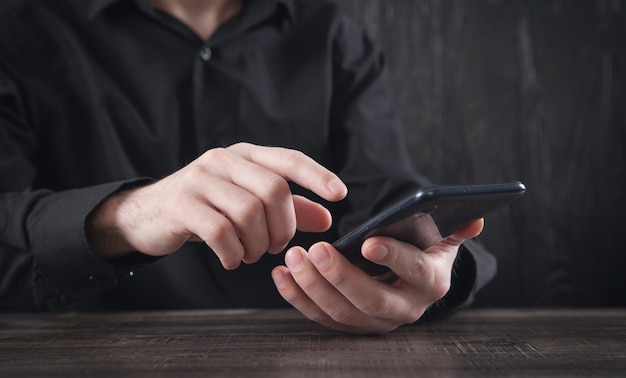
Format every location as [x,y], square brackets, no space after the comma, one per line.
[535,91]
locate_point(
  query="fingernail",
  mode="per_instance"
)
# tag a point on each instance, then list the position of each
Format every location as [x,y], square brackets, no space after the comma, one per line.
[319,256]
[336,186]
[294,260]
[279,278]
[378,252]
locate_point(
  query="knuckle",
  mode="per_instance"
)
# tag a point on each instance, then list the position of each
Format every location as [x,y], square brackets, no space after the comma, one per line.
[336,276]
[307,284]
[278,243]
[241,149]
[239,146]
[293,158]
[289,294]
[193,171]
[276,188]
[287,233]
[419,266]
[217,231]
[253,253]
[382,307]
[217,153]
[251,210]
[440,288]
[340,314]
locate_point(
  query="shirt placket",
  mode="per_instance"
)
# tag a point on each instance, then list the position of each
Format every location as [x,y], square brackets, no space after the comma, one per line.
[215,112]
[212,120]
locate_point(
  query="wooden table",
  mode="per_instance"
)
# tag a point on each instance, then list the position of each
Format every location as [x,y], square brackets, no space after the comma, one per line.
[281,343]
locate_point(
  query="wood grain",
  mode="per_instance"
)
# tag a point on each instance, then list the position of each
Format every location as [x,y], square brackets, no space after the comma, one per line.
[276,343]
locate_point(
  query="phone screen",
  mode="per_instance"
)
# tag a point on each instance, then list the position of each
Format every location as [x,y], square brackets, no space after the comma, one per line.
[426,217]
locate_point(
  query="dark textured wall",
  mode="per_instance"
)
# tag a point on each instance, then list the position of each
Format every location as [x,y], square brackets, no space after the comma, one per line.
[535,91]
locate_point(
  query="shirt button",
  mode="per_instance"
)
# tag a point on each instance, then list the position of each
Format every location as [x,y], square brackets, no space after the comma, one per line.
[205,54]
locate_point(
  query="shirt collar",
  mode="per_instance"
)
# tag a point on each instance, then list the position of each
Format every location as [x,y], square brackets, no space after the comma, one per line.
[97,6]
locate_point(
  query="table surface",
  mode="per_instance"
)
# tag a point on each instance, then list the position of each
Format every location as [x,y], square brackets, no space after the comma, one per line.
[281,343]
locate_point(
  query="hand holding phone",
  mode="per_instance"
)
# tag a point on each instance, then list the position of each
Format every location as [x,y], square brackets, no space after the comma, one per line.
[426,217]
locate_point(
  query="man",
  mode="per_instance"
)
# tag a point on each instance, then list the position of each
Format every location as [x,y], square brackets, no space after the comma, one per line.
[208,131]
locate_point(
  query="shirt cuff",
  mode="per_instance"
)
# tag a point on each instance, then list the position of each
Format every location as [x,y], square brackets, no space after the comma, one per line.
[59,243]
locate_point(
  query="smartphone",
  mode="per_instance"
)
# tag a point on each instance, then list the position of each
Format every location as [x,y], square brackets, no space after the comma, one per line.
[426,217]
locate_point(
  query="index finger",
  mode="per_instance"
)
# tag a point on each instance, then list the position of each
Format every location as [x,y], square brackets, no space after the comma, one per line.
[295,166]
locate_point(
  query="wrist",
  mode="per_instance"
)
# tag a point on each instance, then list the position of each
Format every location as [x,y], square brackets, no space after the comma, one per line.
[104,227]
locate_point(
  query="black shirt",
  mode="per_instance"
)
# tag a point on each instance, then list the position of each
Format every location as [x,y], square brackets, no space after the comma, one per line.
[98,95]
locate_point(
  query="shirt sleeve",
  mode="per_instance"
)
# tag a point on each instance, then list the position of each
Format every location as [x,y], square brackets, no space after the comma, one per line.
[45,259]
[374,160]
